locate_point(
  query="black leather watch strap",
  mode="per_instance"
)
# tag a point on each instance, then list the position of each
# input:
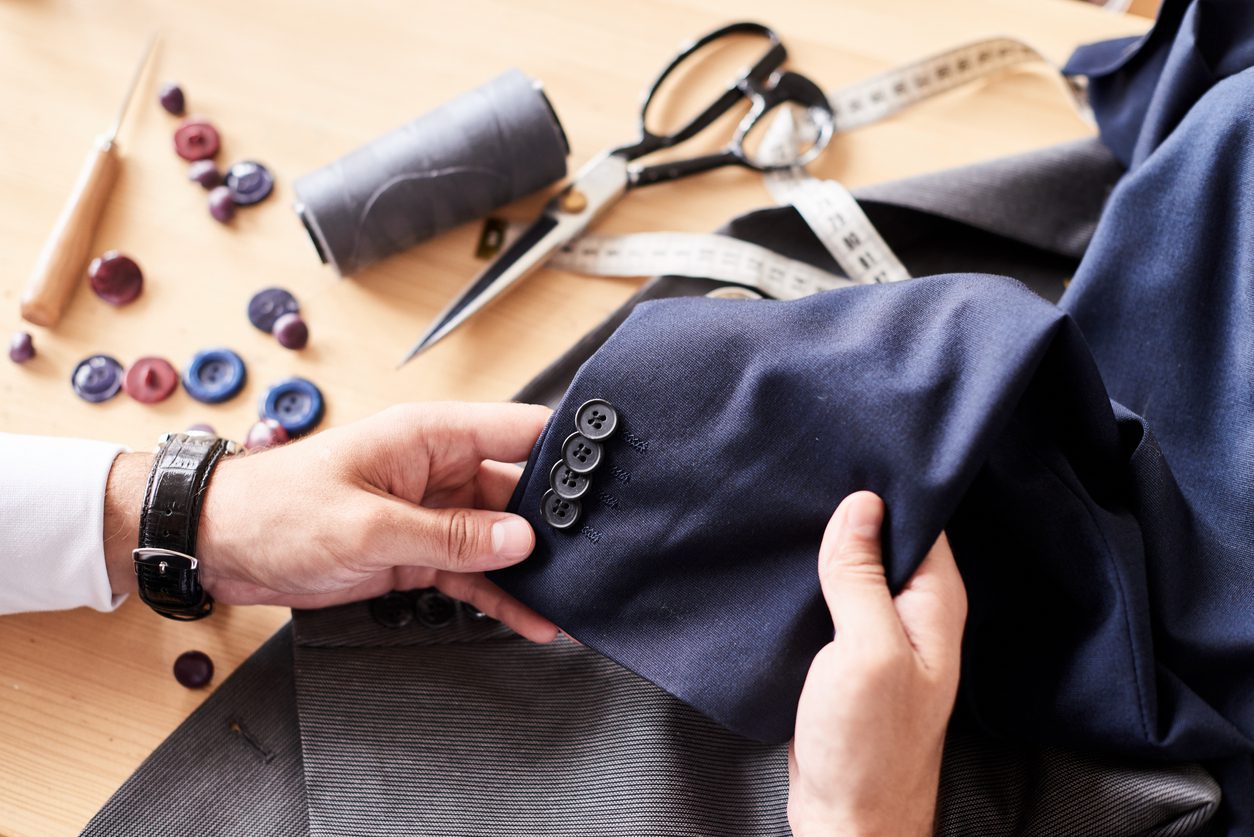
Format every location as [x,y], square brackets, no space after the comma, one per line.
[165,562]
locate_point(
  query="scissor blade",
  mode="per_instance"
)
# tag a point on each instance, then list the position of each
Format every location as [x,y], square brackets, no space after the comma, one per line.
[598,184]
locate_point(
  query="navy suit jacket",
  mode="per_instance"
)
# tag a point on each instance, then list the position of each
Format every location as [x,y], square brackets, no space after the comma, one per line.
[1092,461]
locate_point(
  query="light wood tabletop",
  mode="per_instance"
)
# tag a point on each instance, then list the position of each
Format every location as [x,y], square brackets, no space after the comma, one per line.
[86,695]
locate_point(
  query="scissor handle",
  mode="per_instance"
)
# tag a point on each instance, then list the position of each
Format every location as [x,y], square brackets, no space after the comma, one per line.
[763,85]
[771,60]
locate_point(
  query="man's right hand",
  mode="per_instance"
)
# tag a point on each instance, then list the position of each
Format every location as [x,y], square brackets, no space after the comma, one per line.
[872,717]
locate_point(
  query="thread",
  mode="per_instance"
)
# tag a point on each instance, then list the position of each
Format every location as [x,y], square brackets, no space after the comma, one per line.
[457,163]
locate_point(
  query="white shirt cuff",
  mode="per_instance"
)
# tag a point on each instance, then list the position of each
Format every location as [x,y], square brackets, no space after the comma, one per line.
[52,494]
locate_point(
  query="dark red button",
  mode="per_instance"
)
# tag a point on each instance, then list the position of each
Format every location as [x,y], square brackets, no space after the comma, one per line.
[115,278]
[150,379]
[196,139]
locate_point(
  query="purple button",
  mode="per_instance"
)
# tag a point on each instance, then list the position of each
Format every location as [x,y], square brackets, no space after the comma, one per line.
[193,669]
[97,378]
[268,305]
[250,182]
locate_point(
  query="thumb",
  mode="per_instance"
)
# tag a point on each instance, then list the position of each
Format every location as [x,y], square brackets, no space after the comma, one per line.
[460,540]
[851,570]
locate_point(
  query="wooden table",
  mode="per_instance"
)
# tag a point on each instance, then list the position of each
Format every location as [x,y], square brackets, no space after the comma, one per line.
[294,83]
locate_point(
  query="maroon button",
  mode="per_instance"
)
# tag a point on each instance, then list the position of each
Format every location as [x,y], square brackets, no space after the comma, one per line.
[115,278]
[196,139]
[150,379]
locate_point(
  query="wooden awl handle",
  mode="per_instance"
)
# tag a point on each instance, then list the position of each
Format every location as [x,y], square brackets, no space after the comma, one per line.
[62,261]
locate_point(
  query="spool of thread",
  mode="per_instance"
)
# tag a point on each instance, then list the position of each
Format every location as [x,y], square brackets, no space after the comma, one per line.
[457,163]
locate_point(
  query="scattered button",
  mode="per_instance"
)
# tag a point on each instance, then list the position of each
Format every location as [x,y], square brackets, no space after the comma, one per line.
[21,347]
[559,513]
[291,331]
[268,305]
[221,207]
[205,172]
[97,378]
[596,419]
[581,454]
[196,139]
[568,484]
[295,403]
[434,609]
[115,278]
[214,375]
[266,433]
[193,669]
[392,610]
[250,182]
[150,379]
[207,429]
[170,97]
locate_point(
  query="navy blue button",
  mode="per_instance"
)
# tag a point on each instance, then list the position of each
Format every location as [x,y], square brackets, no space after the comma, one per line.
[249,182]
[597,419]
[295,403]
[559,513]
[214,375]
[268,305]
[97,378]
[566,483]
[581,454]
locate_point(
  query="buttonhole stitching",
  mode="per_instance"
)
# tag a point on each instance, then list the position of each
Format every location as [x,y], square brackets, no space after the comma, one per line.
[237,726]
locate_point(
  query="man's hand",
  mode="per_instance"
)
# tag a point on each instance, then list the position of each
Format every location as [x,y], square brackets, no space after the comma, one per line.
[872,717]
[408,498]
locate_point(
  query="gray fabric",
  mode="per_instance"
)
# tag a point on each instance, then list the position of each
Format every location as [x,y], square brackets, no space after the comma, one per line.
[498,736]
[466,729]
[992,790]
[233,767]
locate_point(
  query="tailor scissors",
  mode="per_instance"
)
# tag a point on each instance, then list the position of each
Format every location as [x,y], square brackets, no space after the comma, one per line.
[611,174]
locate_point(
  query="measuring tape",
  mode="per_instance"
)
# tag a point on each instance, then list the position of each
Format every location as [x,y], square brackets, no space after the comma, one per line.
[827,207]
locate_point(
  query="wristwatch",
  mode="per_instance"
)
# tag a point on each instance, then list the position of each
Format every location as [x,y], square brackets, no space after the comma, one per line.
[165,562]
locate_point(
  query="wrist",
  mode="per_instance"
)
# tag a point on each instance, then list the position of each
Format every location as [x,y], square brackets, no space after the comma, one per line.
[124,497]
[810,817]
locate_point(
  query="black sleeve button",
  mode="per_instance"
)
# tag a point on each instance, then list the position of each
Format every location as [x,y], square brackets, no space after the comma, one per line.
[566,483]
[559,513]
[392,610]
[581,454]
[596,419]
[434,609]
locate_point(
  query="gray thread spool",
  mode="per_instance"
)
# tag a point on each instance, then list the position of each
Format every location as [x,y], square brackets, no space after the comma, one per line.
[459,162]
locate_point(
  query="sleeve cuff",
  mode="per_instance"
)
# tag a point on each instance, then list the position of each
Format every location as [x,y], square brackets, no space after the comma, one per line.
[52,493]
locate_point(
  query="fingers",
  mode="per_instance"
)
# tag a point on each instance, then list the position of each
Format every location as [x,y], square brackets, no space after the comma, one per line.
[474,432]
[933,608]
[851,571]
[495,602]
[495,484]
[396,533]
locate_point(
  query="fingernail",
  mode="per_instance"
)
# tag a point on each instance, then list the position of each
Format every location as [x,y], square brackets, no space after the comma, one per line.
[511,538]
[865,516]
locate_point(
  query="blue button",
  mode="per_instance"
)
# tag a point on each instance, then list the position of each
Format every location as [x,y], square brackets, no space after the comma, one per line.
[295,403]
[214,375]
[97,378]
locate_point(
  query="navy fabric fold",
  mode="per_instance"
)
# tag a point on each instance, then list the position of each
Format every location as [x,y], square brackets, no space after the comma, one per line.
[1093,462]
[1141,88]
